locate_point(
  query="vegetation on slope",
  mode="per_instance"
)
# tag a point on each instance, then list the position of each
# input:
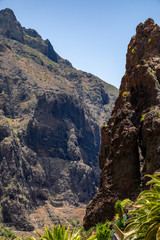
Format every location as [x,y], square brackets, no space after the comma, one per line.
[145,217]
[50,118]
[141,222]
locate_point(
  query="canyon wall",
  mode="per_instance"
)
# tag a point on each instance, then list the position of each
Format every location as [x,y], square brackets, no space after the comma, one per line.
[130,142]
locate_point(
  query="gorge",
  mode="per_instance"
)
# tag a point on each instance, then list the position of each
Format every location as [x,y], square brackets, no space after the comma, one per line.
[130,142]
[50,120]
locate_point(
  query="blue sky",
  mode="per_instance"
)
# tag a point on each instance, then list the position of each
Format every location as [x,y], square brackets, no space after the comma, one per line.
[92,34]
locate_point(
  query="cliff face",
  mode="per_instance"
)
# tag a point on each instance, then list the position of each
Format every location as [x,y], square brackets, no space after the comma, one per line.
[130,143]
[50,115]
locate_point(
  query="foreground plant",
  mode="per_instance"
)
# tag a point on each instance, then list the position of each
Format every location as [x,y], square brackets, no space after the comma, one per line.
[121,210]
[59,233]
[103,232]
[6,234]
[145,218]
[87,235]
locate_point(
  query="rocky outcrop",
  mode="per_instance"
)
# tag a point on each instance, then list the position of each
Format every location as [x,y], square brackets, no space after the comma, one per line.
[130,142]
[9,26]
[12,29]
[34,40]
[50,115]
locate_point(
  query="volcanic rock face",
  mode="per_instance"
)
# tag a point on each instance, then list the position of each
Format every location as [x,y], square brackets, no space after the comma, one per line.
[10,27]
[50,115]
[130,144]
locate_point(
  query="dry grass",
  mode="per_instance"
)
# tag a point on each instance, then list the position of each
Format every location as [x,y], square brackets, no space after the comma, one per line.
[47,216]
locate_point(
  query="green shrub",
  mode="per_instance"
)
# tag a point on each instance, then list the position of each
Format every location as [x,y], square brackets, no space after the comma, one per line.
[103,232]
[121,208]
[87,235]
[7,233]
[93,237]
[133,50]
[125,93]
[77,221]
[120,222]
[140,188]
[145,218]
[72,223]
[143,117]
[158,113]
[59,233]
[153,72]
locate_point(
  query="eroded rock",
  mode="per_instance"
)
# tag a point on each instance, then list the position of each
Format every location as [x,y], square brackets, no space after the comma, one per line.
[50,115]
[130,142]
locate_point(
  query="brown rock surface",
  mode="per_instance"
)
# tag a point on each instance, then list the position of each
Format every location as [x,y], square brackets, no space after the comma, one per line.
[50,115]
[131,141]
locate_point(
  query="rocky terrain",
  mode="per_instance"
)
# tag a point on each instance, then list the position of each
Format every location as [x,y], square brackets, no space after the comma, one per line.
[130,146]
[50,117]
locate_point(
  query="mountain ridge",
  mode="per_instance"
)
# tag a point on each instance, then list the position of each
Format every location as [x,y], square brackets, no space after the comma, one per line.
[130,141]
[50,116]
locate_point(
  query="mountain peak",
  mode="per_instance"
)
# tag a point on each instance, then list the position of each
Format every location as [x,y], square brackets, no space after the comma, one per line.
[49,127]
[148,22]
[7,12]
[9,26]
[130,142]
[12,29]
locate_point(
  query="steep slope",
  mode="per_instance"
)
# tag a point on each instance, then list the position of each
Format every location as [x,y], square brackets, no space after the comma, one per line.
[131,141]
[50,114]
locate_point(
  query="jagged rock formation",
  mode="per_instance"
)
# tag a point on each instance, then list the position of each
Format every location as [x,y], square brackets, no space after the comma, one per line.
[50,115]
[12,29]
[130,144]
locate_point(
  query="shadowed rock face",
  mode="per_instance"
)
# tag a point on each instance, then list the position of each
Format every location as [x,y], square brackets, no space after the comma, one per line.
[130,142]
[50,114]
